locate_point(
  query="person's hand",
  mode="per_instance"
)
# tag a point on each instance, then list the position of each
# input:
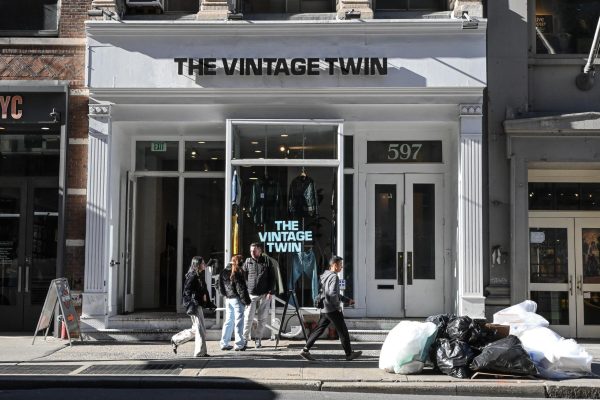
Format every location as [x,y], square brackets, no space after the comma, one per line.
[351,302]
[204,298]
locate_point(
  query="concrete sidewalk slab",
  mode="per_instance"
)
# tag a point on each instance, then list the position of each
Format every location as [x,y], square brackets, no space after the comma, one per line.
[18,348]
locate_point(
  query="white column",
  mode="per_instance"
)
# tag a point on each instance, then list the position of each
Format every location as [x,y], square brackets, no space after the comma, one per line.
[95,294]
[471,301]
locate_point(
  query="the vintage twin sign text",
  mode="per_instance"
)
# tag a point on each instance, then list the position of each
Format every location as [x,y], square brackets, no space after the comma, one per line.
[286,239]
[282,66]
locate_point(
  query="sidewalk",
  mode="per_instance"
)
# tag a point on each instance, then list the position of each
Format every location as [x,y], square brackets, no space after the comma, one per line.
[152,364]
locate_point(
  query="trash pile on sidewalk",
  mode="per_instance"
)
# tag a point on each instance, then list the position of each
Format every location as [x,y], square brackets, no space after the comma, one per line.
[518,343]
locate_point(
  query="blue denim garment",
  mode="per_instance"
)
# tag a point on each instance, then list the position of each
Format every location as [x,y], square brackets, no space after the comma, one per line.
[234,317]
[304,263]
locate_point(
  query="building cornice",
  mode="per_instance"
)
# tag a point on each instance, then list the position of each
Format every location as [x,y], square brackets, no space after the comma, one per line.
[437,95]
[40,42]
[576,124]
[282,28]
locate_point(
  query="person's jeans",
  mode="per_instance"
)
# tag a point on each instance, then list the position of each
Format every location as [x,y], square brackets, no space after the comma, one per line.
[337,318]
[234,316]
[197,331]
[304,263]
[260,304]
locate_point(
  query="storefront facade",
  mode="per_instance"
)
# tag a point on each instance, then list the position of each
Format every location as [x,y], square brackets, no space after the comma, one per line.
[355,138]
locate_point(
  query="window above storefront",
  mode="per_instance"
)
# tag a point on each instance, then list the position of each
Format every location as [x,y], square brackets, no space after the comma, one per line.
[29,18]
[565,26]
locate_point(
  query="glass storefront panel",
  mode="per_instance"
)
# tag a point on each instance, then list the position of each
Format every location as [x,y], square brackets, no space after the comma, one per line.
[590,242]
[548,255]
[560,196]
[424,231]
[348,234]
[291,211]
[10,219]
[156,156]
[29,155]
[293,142]
[591,308]
[44,244]
[554,306]
[156,242]
[385,231]
[205,156]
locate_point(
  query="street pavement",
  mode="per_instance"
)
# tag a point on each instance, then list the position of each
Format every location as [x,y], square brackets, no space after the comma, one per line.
[52,363]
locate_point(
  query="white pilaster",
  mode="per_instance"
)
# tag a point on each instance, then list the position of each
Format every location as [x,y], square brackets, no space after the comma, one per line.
[95,294]
[471,301]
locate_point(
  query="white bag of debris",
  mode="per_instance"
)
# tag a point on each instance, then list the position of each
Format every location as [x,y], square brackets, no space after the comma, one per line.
[406,347]
[520,317]
[554,356]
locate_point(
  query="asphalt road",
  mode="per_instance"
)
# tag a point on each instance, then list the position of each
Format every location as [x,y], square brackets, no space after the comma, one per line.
[220,394]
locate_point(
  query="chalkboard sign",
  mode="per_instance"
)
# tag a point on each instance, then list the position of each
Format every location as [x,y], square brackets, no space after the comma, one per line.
[58,293]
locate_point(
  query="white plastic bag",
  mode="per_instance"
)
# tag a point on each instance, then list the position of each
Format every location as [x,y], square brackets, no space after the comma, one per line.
[554,356]
[405,346]
[520,317]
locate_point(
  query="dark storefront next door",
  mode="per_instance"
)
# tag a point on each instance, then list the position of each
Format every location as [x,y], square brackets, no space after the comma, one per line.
[28,248]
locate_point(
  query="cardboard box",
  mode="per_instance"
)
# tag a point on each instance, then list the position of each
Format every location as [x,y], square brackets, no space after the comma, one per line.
[502,331]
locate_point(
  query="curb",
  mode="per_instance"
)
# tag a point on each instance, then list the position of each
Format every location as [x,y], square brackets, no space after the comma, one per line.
[585,388]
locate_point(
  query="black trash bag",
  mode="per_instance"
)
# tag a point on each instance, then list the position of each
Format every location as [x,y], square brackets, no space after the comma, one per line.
[441,321]
[505,356]
[454,357]
[460,328]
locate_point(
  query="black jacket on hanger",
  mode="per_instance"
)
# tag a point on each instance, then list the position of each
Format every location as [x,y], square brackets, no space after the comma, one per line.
[303,197]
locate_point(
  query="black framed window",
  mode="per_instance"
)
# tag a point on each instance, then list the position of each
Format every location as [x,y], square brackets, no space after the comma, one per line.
[565,26]
[28,18]
[410,5]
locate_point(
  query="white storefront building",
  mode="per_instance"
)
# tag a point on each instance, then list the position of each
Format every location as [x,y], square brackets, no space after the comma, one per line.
[202,133]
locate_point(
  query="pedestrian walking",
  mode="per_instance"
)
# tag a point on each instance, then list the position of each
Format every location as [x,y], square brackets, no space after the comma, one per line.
[195,297]
[260,280]
[232,285]
[331,312]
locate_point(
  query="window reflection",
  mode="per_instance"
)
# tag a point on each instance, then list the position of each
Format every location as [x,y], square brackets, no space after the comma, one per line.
[548,255]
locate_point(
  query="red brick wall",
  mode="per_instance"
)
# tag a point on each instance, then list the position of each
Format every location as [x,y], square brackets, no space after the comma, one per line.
[73,14]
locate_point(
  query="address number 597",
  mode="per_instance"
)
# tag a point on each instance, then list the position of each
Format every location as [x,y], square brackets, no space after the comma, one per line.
[404,151]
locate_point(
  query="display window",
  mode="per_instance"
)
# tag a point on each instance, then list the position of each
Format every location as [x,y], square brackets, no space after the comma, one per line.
[284,194]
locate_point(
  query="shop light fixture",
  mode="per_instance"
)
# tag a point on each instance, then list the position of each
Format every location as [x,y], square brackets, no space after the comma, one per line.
[2,128]
[214,158]
[284,135]
[193,153]
[253,178]
[45,128]
[258,151]
[254,142]
[201,142]
[282,148]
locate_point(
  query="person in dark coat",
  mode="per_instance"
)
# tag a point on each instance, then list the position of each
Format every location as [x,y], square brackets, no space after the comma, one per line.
[260,280]
[331,312]
[232,285]
[195,297]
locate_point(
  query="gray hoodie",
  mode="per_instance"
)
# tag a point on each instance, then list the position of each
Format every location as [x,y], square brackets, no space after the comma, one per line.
[330,283]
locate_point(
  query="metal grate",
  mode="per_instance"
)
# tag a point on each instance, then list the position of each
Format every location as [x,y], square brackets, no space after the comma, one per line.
[37,369]
[137,369]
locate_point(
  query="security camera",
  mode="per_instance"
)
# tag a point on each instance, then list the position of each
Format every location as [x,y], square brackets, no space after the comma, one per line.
[54,115]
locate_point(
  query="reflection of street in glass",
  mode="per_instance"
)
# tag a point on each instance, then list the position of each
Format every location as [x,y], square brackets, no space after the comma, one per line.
[591,255]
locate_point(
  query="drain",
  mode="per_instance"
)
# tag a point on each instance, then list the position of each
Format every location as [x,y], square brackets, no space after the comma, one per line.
[135,369]
[37,369]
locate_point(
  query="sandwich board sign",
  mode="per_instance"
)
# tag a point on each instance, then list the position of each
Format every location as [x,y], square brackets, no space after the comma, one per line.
[58,293]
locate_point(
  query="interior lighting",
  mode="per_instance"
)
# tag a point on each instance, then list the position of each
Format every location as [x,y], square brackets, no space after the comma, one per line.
[201,142]
[2,128]
[254,142]
[282,148]
[214,158]
[45,128]
[284,135]
[194,153]
[257,151]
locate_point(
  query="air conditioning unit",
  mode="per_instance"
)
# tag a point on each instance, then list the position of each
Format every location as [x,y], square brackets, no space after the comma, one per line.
[159,4]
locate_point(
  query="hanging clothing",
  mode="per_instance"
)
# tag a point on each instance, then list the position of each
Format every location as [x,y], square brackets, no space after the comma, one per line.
[264,201]
[235,234]
[236,189]
[279,288]
[304,263]
[302,198]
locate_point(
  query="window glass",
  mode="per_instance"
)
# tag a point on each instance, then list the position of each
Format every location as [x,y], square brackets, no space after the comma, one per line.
[564,196]
[294,142]
[28,15]
[385,231]
[554,306]
[565,26]
[184,6]
[293,215]
[406,5]
[204,156]
[349,234]
[286,6]
[548,255]
[348,151]
[156,156]
[29,155]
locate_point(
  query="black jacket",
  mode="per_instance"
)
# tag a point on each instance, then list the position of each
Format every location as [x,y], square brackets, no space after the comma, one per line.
[230,289]
[195,288]
[303,198]
[260,276]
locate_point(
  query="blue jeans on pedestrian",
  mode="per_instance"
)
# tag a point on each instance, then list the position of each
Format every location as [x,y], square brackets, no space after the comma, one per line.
[234,316]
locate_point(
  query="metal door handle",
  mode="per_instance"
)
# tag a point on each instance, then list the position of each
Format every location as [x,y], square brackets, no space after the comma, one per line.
[409,267]
[113,263]
[27,279]
[19,280]
[580,284]
[400,268]
[571,285]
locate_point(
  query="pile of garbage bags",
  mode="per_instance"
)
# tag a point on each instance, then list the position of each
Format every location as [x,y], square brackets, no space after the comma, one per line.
[460,346]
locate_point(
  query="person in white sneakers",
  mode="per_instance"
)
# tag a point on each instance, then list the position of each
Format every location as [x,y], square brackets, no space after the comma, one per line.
[232,285]
[331,312]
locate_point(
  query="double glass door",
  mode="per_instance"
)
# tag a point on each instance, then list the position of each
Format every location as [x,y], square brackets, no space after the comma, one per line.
[404,245]
[28,248]
[564,273]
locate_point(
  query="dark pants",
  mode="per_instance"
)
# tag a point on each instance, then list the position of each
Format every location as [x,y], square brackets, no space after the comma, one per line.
[337,318]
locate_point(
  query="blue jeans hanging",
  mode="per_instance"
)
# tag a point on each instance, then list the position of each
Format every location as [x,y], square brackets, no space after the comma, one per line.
[305,263]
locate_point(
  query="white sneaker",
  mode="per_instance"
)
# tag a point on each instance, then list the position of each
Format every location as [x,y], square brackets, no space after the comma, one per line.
[257,344]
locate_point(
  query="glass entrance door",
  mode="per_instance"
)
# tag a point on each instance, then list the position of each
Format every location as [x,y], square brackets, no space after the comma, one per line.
[405,244]
[564,273]
[28,248]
